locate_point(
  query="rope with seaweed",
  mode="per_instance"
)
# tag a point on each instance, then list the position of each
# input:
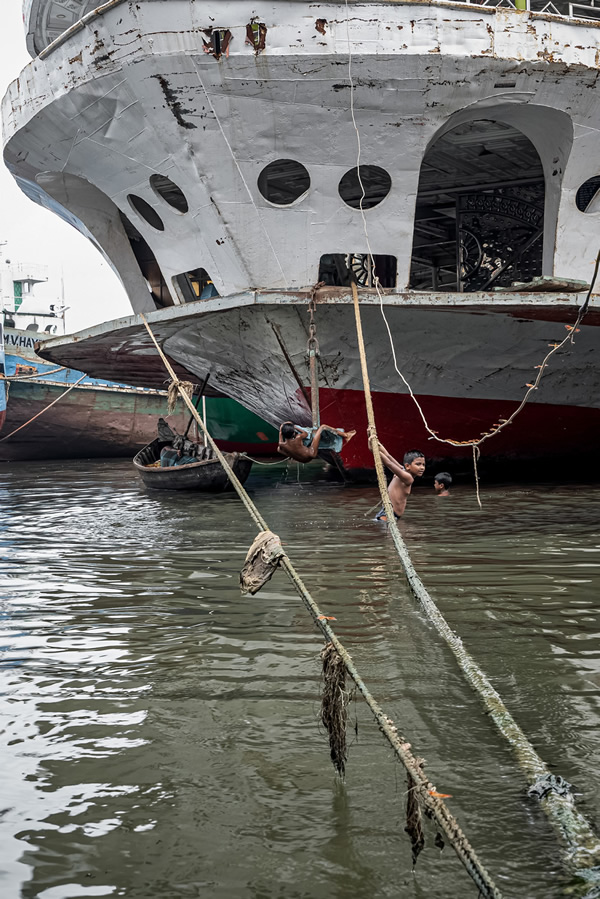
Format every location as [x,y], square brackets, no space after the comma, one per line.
[559,805]
[422,788]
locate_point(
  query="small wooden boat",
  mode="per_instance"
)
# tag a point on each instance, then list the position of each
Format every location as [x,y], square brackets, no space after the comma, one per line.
[206,474]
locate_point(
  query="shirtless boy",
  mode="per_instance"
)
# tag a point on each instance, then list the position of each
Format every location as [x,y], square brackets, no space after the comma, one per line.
[441,483]
[291,437]
[404,475]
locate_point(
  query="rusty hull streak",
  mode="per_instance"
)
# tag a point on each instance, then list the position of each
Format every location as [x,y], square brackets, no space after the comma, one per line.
[173,103]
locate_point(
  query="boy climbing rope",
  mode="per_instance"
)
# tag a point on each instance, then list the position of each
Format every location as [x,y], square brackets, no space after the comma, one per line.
[404,475]
[292,437]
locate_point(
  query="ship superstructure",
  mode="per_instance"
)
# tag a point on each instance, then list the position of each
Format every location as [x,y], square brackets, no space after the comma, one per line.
[213,148]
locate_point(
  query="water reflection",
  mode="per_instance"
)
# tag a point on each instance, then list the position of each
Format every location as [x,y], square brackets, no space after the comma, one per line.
[161,732]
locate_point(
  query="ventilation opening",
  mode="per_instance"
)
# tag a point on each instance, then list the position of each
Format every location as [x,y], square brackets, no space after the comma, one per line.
[586,199]
[479,215]
[333,270]
[169,192]
[256,36]
[365,192]
[149,267]
[146,212]
[195,285]
[283,182]
[218,42]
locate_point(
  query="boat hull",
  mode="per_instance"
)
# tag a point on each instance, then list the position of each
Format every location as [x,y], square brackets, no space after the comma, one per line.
[86,423]
[468,364]
[98,418]
[207,476]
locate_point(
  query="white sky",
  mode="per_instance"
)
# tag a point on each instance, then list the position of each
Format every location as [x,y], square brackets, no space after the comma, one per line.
[92,291]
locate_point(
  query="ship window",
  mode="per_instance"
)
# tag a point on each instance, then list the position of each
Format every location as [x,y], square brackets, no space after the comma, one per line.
[335,268]
[146,211]
[283,182]
[195,285]
[586,198]
[369,190]
[169,192]
[479,213]
[149,267]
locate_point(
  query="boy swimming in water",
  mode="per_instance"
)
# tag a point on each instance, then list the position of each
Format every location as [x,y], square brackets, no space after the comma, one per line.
[441,483]
[404,475]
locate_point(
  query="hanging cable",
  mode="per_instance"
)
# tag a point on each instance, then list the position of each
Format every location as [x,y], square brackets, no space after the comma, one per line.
[423,788]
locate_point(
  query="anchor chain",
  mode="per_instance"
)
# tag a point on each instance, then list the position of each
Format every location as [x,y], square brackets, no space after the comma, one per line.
[312,348]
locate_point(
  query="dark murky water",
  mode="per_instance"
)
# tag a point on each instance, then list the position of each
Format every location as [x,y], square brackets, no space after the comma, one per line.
[160,734]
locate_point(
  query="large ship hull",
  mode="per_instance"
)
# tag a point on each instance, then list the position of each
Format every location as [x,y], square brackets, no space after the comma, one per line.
[468,368]
[443,149]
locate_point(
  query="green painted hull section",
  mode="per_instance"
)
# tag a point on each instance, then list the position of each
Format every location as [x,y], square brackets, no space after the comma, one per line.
[229,423]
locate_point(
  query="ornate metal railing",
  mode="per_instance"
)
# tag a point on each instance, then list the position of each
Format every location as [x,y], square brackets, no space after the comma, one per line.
[47,28]
[589,10]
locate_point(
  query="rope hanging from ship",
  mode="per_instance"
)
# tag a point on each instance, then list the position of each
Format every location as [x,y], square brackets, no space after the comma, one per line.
[583,846]
[559,805]
[422,791]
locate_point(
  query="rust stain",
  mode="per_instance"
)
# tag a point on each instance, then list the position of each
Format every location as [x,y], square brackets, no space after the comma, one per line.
[173,102]
[320,25]
[77,58]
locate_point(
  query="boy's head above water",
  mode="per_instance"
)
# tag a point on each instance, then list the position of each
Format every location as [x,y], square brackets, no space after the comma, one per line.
[442,482]
[414,462]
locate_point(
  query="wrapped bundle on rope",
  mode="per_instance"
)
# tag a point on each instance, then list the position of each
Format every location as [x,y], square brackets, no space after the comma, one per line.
[173,393]
[261,561]
[334,705]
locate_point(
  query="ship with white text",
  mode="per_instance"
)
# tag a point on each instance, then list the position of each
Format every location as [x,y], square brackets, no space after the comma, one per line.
[61,413]
[240,166]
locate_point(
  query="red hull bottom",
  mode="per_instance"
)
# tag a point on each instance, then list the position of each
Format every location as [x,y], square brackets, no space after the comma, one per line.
[543,434]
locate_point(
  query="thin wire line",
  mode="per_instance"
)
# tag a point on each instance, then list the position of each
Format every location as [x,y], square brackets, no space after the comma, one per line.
[241,174]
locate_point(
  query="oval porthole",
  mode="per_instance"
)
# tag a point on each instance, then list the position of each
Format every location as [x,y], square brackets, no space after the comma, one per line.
[168,191]
[146,211]
[283,182]
[375,181]
[586,194]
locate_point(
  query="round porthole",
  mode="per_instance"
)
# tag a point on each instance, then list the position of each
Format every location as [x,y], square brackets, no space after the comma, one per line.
[146,211]
[586,194]
[283,182]
[168,191]
[376,183]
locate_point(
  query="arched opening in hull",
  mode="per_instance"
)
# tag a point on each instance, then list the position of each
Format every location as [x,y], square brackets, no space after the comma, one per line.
[479,216]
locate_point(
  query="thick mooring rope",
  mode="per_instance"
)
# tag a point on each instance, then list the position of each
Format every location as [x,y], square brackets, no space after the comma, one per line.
[420,784]
[582,843]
